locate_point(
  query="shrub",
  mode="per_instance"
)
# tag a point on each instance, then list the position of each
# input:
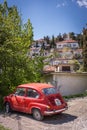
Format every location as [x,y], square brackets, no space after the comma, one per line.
[3,128]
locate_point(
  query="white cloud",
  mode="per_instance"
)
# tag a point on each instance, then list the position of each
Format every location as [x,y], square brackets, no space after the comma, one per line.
[62,4]
[82,3]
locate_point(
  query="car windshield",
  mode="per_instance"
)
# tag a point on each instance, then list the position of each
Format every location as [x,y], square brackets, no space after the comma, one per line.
[48,91]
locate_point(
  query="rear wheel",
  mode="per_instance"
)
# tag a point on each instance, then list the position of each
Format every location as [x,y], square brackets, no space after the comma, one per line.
[7,107]
[37,114]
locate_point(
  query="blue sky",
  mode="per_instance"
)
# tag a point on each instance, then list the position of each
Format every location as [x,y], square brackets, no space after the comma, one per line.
[51,17]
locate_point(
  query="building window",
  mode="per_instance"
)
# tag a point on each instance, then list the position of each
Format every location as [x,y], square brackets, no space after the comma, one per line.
[65,68]
[74,44]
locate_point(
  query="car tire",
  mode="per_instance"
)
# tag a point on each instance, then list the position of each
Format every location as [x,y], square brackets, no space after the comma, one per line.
[7,107]
[37,114]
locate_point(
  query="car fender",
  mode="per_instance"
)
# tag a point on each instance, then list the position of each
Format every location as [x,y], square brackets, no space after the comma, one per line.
[8,99]
[39,106]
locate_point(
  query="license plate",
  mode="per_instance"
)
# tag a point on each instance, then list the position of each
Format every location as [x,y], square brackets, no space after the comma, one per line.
[58,102]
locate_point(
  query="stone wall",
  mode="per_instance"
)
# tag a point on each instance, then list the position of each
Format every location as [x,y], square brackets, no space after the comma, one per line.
[68,83]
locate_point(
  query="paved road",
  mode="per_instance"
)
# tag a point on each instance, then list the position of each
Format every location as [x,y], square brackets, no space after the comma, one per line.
[75,118]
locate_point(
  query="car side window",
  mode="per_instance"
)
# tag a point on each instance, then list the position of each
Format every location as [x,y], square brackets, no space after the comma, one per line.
[32,93]
[20,92]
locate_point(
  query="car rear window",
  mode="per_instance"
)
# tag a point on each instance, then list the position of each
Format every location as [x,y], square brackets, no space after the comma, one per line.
[48,91]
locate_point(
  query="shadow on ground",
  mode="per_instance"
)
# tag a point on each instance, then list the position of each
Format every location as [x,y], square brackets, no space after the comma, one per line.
[59,119]
[55,119]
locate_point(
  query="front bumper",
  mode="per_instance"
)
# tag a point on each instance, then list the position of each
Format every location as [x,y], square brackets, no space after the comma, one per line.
[55,111]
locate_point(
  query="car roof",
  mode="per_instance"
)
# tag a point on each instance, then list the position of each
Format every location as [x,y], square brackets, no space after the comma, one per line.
[37,86]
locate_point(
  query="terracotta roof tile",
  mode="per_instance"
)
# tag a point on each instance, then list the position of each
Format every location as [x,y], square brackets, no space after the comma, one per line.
[67,41]
[49,69]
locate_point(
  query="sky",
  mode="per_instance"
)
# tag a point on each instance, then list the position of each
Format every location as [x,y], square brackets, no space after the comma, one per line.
[51,17]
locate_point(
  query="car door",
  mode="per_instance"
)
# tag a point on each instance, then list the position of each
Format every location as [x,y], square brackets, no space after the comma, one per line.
[32,96]
[18,99]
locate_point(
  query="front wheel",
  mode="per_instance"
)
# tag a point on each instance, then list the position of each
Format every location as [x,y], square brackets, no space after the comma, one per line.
[37,114]
[7,107]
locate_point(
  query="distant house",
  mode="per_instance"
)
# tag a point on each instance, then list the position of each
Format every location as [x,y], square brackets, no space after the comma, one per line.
[62,65]
[37,46]
[67,43]
[34,51]
[60,57]
[41,43]
[66,52]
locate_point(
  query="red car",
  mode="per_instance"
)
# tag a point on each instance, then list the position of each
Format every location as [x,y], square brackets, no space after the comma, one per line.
[39,99]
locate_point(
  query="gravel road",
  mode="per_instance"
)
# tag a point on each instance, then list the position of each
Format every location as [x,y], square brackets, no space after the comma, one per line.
[75,118]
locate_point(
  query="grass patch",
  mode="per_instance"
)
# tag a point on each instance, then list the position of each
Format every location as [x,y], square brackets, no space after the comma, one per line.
[76,95]
[3,128]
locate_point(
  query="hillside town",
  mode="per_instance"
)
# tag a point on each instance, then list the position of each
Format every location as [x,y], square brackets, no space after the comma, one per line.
[43,65]
[65,57]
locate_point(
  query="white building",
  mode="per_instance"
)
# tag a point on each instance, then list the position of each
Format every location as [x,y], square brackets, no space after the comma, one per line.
[67,43]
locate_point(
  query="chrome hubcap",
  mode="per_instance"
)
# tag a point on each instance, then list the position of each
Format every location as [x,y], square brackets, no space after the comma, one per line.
[37,115]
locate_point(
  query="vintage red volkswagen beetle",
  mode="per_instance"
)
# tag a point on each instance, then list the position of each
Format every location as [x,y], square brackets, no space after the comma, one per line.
[39,99]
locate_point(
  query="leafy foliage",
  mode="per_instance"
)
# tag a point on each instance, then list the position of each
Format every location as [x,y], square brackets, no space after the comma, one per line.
[85,49]
[76,64]
[15,38]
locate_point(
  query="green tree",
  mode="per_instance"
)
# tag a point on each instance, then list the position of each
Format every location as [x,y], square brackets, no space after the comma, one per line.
[72,35]
[53,45]
[47,39]
[59,38]
[64,36]
[76,65]
[15,39]
[79,38]
[39,64]
[27,35]
[85,49]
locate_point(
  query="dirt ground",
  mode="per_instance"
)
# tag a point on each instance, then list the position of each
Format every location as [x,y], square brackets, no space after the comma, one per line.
[75,118]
